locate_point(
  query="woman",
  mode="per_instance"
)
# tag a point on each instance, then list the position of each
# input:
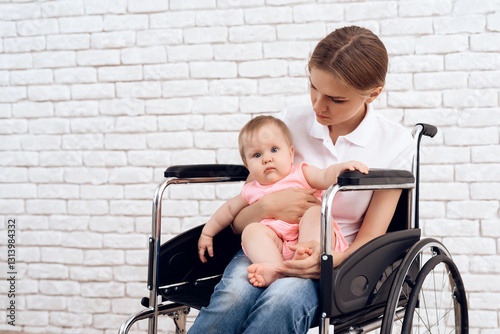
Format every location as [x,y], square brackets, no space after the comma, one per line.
[347,72]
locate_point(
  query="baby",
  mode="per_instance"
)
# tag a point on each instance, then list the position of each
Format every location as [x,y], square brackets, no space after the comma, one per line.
[266,149]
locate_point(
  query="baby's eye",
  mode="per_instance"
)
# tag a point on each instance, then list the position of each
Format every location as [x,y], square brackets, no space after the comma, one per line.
[256,155]
[274,149]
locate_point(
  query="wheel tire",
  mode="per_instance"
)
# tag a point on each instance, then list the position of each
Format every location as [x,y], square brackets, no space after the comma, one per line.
[405,282]
[437,303]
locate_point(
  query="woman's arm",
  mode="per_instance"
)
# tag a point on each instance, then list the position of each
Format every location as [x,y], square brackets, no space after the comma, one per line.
[377,219]
[288,205]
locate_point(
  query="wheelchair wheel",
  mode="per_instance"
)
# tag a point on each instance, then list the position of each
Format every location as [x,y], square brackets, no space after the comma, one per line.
[437,302]
[406,310]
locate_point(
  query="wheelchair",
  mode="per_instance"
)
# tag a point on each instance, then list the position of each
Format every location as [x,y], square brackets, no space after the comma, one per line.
[396,282]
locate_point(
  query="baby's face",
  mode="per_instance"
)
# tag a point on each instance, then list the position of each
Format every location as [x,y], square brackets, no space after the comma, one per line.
[268,155]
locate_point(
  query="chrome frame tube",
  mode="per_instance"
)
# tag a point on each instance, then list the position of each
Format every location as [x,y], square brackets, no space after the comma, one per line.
[378,187]
[143,314]
[416,133]
[326,219]
[326,237]
[156,235]
[163,309]
[371,326]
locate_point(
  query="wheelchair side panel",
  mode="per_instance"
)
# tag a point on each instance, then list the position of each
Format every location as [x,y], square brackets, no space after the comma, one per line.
[362,280]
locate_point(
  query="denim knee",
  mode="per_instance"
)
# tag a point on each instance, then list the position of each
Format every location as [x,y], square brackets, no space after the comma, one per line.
[288,305]
[231,301]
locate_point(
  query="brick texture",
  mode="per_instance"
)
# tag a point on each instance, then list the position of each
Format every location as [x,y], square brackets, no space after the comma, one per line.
[98,97]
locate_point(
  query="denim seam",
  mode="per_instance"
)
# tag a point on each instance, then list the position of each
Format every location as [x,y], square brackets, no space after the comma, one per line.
[308,315]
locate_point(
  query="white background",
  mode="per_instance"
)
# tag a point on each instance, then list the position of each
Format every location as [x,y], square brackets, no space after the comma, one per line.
[98,97]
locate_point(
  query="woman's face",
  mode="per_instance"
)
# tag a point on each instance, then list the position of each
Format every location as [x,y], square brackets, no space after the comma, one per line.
[336,105]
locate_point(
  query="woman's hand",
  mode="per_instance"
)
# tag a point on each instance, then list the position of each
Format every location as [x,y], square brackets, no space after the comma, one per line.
[309,267]
[289,205]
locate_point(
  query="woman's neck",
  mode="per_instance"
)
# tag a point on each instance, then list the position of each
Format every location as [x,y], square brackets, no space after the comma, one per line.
[348,126]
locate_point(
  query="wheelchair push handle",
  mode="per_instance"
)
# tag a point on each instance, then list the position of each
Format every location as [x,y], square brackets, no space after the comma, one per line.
[428,129]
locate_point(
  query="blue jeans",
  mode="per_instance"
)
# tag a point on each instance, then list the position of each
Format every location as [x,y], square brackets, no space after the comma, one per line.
[289,305]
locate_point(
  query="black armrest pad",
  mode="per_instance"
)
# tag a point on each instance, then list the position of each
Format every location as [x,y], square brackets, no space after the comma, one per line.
[376,177]
[234,172]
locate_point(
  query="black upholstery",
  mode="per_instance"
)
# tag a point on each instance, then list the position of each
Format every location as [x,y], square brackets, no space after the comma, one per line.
[180,266]
[378,177]
[401,216]
[233,172]
[365,278]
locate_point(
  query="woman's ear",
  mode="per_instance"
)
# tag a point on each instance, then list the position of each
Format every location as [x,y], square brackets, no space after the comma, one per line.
[374,94]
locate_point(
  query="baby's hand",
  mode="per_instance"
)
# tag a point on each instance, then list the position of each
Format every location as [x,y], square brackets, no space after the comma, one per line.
[205,243]
[354,165]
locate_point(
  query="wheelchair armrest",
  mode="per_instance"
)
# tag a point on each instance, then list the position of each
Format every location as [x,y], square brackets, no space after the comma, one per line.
[376,177]
[231,172]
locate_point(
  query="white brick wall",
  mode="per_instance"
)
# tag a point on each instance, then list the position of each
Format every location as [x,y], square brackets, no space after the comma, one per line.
[98,97]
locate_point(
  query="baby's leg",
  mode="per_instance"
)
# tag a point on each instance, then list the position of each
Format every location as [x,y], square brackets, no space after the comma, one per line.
[310,224]
[263,248]
[309,229]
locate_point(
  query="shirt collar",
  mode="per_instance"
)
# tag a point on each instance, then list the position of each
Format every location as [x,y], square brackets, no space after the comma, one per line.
[360,136]
[319,131]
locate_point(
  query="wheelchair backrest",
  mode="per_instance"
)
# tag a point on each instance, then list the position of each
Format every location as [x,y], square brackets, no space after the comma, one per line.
[401,219]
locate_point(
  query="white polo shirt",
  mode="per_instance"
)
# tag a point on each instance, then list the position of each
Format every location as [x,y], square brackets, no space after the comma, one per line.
[377,142]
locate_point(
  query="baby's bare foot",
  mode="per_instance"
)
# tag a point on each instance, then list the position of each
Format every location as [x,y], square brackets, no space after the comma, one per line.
[302,252]
[261,275]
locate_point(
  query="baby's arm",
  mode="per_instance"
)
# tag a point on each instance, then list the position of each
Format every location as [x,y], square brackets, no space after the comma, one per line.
[323,178]
[219,220]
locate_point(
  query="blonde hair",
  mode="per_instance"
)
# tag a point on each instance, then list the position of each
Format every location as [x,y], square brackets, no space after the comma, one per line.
[353,55]
[256,124]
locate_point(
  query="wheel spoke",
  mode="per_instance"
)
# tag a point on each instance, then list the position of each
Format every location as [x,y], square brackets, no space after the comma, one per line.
[433,305]
[429,325]
[435,298]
